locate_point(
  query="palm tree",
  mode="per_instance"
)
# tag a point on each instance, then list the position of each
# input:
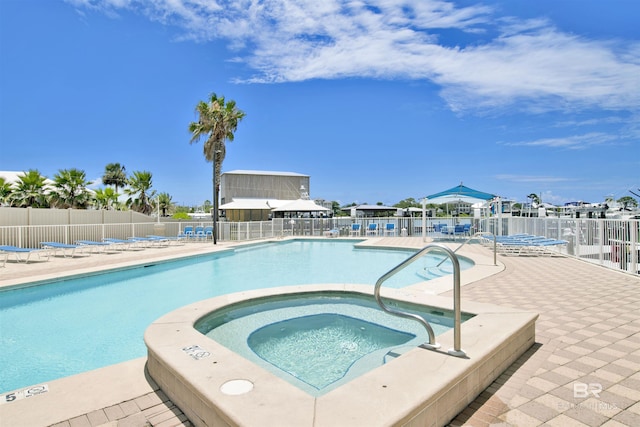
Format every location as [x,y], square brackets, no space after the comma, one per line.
[114,174]
[139,185]
[70,189]
[5,191]
[106,198]
[535,199]
[165,203]
[30,191]
[217,122]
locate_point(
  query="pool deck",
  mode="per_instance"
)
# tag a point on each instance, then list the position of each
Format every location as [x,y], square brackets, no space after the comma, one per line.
[584,369]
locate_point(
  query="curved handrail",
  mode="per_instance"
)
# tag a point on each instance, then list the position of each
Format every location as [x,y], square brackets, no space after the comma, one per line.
[456,351]
[479,233]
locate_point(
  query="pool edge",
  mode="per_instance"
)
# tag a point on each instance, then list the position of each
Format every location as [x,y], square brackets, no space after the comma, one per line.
[391,394]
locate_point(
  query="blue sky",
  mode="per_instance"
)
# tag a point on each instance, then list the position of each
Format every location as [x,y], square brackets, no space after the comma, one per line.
[376,100]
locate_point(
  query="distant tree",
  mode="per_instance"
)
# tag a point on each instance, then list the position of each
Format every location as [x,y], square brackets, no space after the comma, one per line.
[30,191]
[627,202]
[408,203]
[5,191]
[106,198]
[535,200]
[206,206]
[217,122]
[165,203]
[114,174]
[139,192]
[181,215]
[70,189]
[335,208]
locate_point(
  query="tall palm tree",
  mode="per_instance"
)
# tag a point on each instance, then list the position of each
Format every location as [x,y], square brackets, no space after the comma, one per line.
[114,174]
[30,191]
[105,198]
[139,191]
[217,122]
[70,189]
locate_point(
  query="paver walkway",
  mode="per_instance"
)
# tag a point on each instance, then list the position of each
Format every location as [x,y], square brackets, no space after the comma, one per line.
[584,369]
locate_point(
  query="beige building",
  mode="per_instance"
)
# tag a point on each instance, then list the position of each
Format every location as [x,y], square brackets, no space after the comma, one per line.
[249,184]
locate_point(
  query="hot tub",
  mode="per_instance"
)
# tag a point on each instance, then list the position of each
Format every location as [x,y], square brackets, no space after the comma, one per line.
[214,384]
[320,341]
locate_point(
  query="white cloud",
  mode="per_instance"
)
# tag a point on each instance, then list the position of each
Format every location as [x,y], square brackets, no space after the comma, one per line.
[529,63]
[575,142]
[531,178]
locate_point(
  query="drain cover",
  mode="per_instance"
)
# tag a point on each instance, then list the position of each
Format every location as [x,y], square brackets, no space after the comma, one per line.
[236,387]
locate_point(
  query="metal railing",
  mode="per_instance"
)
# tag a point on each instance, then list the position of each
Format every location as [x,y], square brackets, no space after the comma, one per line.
[612,243]
[432,344]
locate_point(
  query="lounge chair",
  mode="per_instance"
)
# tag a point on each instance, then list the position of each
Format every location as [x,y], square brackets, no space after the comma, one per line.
[390,229]
[177,240]
[208,232]
[104,246]
[152,241]
[372,229]
[355,230]
[332,233]
[18,252]
[122,243]
[64,247]
[186,233]
[198,233]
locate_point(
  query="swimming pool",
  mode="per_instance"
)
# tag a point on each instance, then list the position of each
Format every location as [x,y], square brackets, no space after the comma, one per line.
[72,326]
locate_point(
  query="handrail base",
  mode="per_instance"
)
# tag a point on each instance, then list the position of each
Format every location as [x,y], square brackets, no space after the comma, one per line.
[433,346]
[457,353]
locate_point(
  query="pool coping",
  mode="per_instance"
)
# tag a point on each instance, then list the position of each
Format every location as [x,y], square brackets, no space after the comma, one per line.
[79,394]
[393,394]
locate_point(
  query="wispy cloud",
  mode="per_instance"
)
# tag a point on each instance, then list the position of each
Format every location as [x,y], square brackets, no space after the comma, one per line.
[573,142]
[528,63]
[531,178]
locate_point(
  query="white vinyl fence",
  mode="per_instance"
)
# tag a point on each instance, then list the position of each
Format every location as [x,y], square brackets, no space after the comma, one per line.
[611,243]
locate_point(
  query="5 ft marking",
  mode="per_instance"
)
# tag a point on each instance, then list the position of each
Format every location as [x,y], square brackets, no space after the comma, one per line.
[22,394]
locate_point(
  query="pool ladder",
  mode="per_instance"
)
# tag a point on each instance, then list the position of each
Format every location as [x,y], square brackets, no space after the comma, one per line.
[432,344]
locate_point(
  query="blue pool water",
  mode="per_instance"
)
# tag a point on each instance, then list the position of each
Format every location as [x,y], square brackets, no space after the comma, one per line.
[318,341]
[72,326]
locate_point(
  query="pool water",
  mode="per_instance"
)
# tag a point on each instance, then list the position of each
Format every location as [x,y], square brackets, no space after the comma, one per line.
[70,326]
[318,341]
[320,349]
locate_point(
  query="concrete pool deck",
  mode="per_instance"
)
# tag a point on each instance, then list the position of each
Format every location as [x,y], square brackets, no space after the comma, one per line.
[583,370]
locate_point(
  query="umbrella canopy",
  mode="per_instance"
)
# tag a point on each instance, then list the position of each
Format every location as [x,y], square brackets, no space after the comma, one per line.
[301,205]
[453,198]
[458,194]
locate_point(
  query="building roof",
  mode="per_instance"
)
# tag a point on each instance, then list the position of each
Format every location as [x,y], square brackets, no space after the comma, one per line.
[271,173]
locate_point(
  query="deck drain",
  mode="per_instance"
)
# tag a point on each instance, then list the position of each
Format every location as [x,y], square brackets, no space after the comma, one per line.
[236,387]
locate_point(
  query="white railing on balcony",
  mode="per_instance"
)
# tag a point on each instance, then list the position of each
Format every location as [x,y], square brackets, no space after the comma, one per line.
[611,243]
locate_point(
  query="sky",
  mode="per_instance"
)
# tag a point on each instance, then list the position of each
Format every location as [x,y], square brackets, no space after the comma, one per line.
[376,100]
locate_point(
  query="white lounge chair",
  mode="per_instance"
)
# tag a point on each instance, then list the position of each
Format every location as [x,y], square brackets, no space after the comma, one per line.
[66,249]
[18,252]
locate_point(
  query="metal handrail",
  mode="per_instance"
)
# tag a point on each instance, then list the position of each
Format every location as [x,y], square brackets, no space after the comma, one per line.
[432,344]
[480,233]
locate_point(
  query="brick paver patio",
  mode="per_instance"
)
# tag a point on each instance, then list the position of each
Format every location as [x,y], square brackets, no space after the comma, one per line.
[584,369]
